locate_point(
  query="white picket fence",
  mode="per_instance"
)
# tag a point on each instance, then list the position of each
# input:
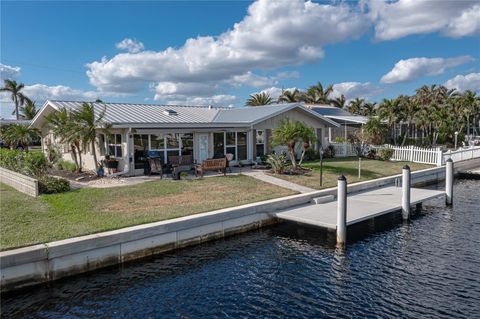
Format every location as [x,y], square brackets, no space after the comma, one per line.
[434,156]
[462,154]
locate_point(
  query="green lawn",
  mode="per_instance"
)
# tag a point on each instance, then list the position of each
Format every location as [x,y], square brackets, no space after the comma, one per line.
[25,220]
[332,168]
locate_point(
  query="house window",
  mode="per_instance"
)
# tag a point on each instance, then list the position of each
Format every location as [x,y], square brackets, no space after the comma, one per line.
[171,144]
[242,146]
[234,143]
[260,144]
[187,144]
[218,145]
[114,145]
[140,147]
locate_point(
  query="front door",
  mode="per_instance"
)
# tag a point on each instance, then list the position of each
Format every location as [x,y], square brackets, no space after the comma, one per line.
[202,147]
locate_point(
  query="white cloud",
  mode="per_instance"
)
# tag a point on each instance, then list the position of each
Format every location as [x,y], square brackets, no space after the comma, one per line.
[224,100]
[257,81]
[42,92]
[131,45]
[410,69]
[9,72]
[353,90]
[273,34]
[465,82]
[396,19]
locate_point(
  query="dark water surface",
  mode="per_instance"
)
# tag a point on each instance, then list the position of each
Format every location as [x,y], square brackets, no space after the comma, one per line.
[426,268]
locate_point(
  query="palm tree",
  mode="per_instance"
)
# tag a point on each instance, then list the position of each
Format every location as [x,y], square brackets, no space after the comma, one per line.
[28,110]
[21,135]
[290,96]
[287,133]
[339,102]
[307,136]
[316,94]
[355,106]
[388,110]
[16,95]
[88,124]
[369,109]
[374,131]
[65,128]
[258,99]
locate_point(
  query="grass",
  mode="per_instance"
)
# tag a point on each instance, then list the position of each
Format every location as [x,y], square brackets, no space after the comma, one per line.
[25,220]
[348,166]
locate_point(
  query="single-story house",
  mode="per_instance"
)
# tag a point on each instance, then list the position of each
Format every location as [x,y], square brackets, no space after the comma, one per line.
[349,123]
[204,132]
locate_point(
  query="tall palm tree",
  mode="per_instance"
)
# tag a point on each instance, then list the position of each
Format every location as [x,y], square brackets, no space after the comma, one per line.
[388,110]
[339,102]
[14,88]
[28,110]
[258,99]
[355,106]
[317,94]
[290,96]
[369,109]
[88,123]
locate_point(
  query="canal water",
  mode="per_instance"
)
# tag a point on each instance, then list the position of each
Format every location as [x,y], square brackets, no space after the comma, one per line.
[426,268]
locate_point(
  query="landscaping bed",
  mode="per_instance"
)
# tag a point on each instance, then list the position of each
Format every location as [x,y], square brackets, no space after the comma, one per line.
[348,166]
[27,221]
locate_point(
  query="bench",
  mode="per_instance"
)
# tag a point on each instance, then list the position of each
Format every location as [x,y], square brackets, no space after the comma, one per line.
[217,164]
[155,166]
[180,164]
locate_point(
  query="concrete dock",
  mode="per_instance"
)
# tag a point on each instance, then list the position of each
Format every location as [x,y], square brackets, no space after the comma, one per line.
[360,207]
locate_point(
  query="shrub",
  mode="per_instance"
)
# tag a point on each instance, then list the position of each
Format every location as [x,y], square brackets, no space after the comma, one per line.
[27,163]
[278,162]
[34,164]
[340,139]
[385,154]
[311,155]
[66,165]
[329,152]
[372,154]
[51,185]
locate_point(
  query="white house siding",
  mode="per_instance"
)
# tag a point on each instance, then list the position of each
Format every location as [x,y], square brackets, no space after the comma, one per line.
[294,115]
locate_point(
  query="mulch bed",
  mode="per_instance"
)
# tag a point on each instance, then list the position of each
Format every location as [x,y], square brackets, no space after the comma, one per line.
[74,176]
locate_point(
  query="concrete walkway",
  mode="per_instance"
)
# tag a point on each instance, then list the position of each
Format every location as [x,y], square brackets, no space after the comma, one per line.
[260,175]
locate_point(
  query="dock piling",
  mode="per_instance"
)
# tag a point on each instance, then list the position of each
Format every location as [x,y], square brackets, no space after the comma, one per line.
[406,192]
[342,210]
[449,182]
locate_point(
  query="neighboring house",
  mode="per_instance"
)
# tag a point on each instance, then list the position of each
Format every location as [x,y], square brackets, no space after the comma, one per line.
[349,123]
[204,132]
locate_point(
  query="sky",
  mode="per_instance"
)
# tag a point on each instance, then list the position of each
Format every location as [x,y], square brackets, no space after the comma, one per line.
[219,52]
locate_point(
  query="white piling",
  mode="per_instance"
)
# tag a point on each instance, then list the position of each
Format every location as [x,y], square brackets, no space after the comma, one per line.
[449,182]
[406,192]
[359,168]
[342,210]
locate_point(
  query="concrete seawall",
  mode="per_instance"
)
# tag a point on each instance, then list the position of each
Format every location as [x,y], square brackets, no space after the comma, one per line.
[46,262]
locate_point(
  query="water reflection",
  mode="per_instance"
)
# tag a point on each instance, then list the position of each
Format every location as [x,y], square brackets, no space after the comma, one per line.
[428,267]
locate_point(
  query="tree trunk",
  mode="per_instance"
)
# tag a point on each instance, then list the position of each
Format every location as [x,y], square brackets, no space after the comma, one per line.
[79,150]
[94,153]
[74,154]
[16,109]
[292,156]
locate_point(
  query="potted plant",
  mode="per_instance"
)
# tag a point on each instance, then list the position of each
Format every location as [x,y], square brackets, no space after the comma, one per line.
[100,170]
[111,163]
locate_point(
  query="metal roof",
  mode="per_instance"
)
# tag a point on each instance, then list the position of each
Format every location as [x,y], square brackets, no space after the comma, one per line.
[13,121]
[149,115]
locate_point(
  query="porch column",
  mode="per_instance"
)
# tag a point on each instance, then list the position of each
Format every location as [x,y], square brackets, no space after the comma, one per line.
[253,145]
[268,134]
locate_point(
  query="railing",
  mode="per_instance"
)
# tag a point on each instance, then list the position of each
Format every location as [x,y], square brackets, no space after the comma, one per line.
[414,154]
[434,156]
[462,154]
[343,149]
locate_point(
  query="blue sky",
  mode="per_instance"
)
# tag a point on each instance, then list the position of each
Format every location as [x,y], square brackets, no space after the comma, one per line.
[220,52]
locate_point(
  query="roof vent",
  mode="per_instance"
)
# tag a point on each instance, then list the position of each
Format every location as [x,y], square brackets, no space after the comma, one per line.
[210,107]
[170,112]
